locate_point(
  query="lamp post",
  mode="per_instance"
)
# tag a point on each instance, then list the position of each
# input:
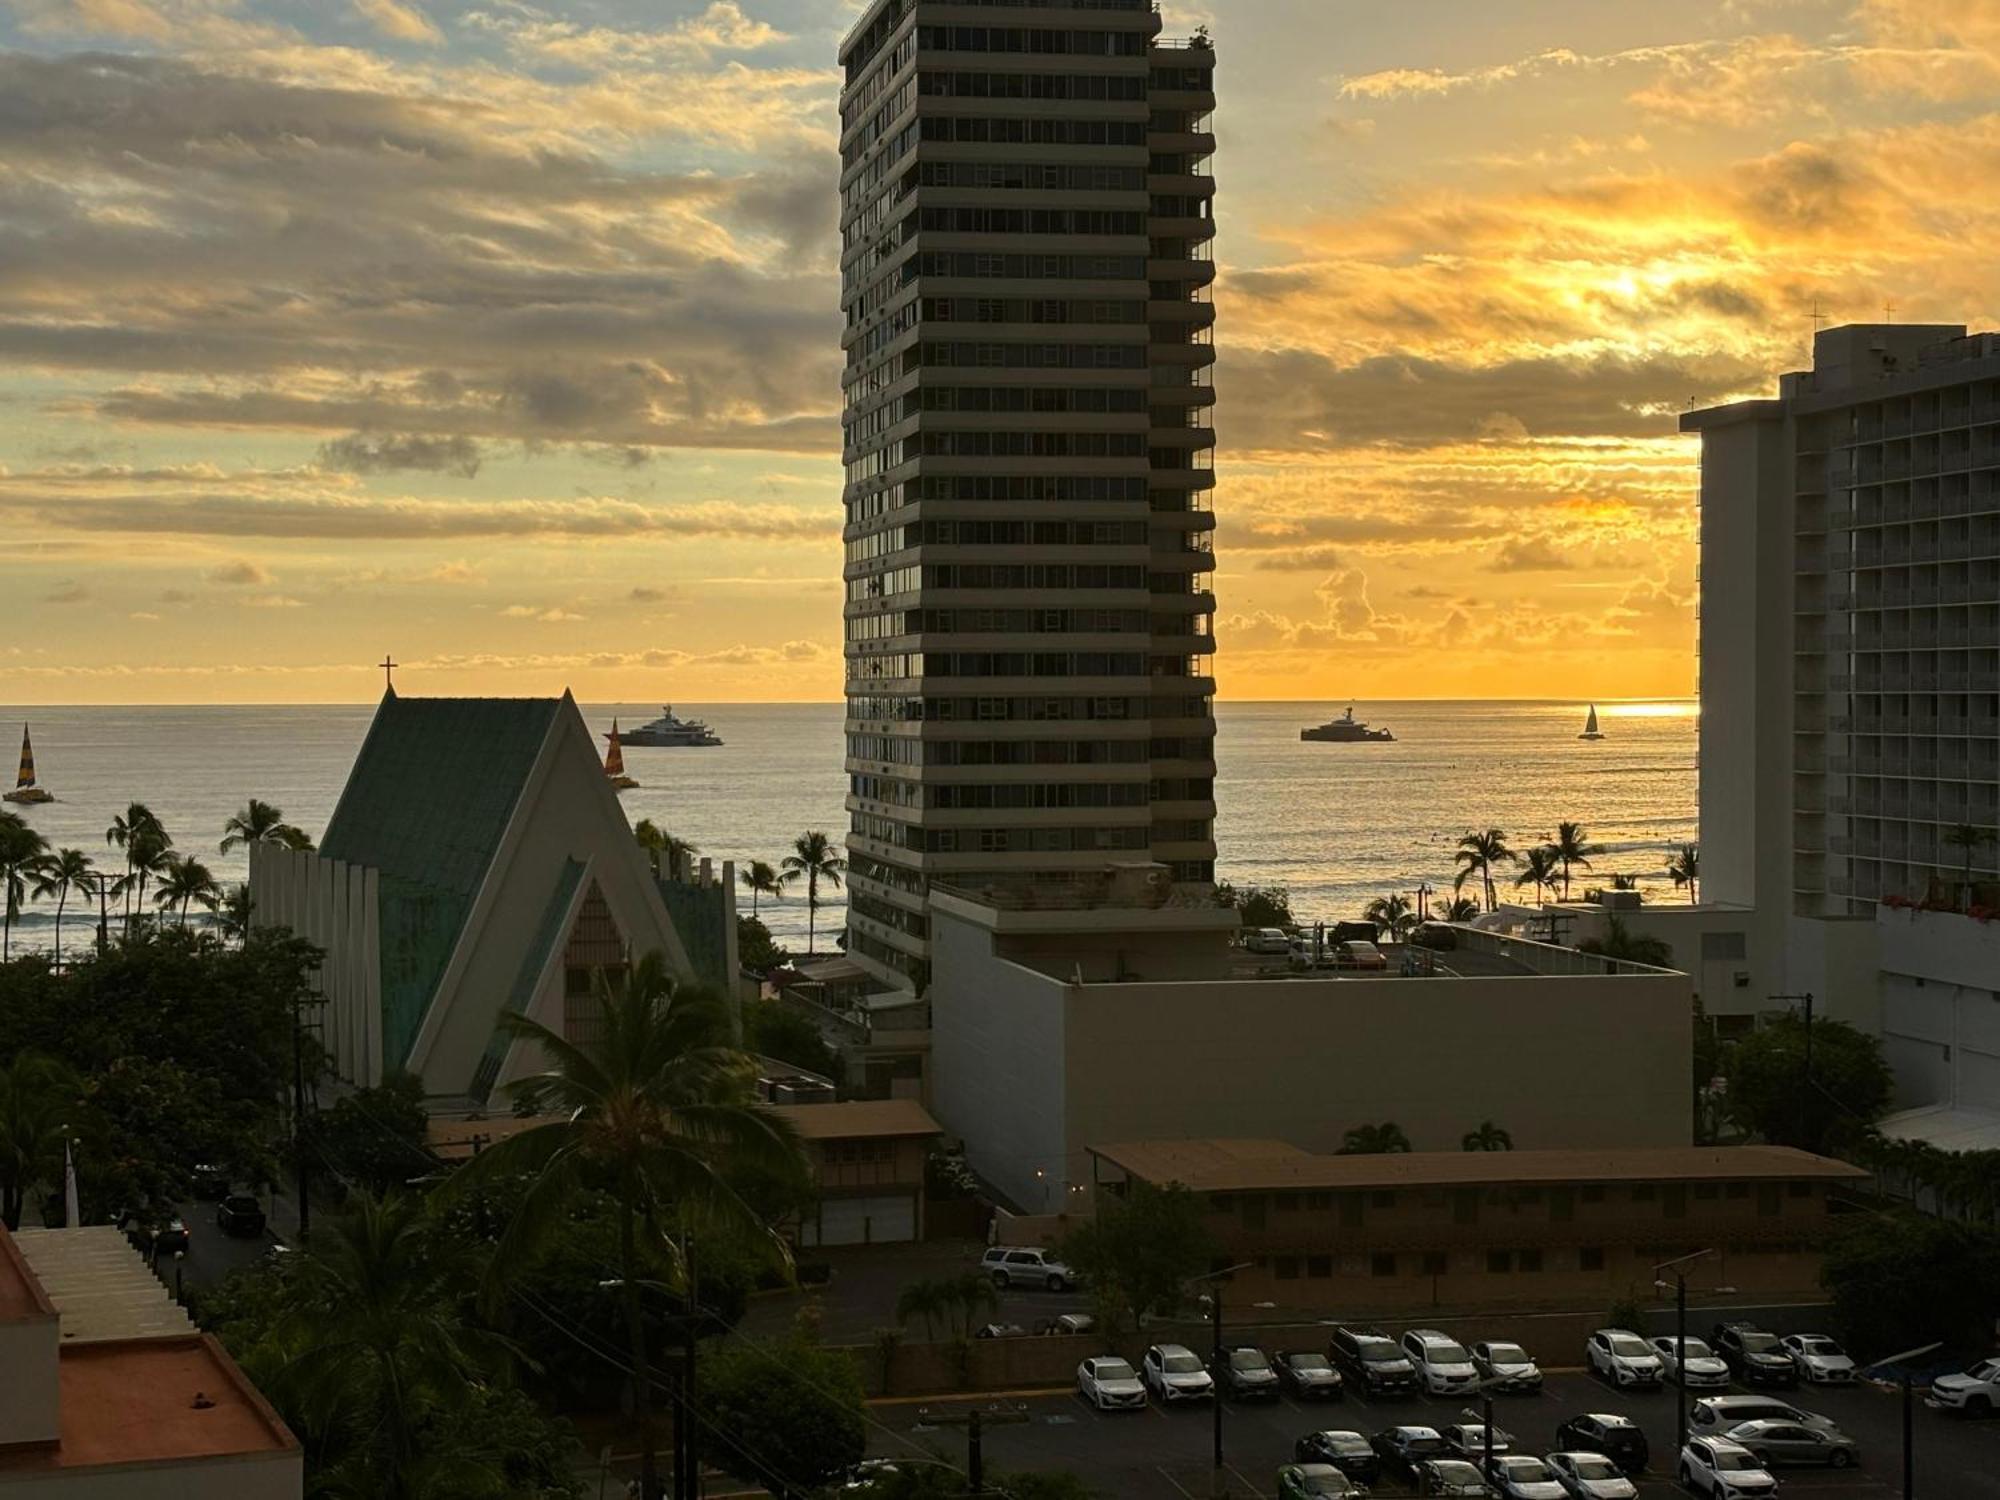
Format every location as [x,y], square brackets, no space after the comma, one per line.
[1213,1298]
[1677,1268]
[1909,1405]
[1485,1388]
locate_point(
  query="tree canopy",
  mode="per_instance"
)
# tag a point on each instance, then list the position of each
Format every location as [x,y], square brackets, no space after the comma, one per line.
[1902,1279]
[1260,905]
[1768,1094]
[1139,1251]
[787,1416]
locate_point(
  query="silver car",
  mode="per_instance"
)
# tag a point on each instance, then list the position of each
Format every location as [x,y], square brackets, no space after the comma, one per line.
[1818,1359]
[1522,1476]
[1590,1476]
[1789,1443]
[1700,1369]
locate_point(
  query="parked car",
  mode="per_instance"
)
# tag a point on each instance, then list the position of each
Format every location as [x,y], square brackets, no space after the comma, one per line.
[1721,1469]
[1307,1375]
[1818,1359]
[1173,1372]
[1068,1323]
[1621,1357]
[1703,1371]
[1371,1362]
[156,1236]
[1617,1438]
[1433,935]
[240,1215]
[1401,1449]
[1452,1476]
[1508,1364]
[211,1183]
[1110,1384]
[1348,1452]
[1976,1392]
[1441,1362]
[1014,1266]
[1590,1476]
[1753,1355]
[1791,1443]
[1468,1440]
[1269,940]
[1247,1374]
[1316,1482]
[1357,953]
[1522,1476]
[1717,1414]
[1000,1331]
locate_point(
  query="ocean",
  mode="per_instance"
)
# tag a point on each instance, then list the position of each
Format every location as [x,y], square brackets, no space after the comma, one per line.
[1337,824]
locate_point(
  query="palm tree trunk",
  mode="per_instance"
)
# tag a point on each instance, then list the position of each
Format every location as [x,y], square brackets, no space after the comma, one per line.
[61,902]
[812,910]
[635,1323]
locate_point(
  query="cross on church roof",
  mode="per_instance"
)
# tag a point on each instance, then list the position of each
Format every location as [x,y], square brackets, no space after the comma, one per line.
[388,666]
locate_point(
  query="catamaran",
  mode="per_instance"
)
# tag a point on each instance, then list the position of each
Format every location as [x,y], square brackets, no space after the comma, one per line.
[614,762]
[25,789]
[1590,729]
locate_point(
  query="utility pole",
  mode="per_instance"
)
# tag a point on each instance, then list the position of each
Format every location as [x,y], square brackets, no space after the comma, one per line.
[301,1164]
[1909,1405]
[975,1422]
[686,1454]
[1805,1004]
[1678,1269]
[1215,1279]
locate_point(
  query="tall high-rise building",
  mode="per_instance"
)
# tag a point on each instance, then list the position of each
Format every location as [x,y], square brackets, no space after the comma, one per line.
[1025,273]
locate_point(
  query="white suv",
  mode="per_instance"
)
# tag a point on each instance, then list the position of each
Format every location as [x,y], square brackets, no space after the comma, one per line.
[1622,1357]
[1724,1470]
[1173,1372]
[1976,1392]
[1442,1363]
[1013,1266]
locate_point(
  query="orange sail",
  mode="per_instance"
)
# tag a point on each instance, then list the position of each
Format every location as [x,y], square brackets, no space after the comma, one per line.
[614,758]
[26,775]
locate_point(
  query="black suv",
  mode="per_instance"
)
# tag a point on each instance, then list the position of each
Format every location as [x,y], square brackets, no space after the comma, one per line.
[1754,1356]
[240,1215]
[1371,1362]
[1617,1438]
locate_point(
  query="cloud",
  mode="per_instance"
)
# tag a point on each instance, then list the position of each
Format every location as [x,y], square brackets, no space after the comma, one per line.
[1532,554]
[242,571]
[362,453]
[452,572]
[543,615]
[274,601]
[67,593]
[399,21]
[647,593]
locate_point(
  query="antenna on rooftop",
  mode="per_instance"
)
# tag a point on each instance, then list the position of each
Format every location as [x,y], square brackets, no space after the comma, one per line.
[1888,312]
[1818,316]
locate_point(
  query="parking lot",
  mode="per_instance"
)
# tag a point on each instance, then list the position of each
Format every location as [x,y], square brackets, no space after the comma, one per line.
[1159,1453]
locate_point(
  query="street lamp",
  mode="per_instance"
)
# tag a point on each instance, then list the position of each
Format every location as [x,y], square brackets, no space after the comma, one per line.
[1677,1268]
[1485,1389]
[1909,1421]
[1214,1301]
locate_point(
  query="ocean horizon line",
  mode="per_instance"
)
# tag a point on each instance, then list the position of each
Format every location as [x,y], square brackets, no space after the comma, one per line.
[5,708]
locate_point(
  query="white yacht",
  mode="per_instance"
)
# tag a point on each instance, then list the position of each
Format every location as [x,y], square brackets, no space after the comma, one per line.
[670,731]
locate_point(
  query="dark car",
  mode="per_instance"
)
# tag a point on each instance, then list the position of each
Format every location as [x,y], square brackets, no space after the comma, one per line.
[1345,1451]
[1617,1438]
[1754,1356]
[156,1236]
[1316,1482]
[1247,1374]
[1403,1449]
[1348,1452]
[1452,1476]
[241,1215]
[1306,1375]
[211,1183]
[1371,1362]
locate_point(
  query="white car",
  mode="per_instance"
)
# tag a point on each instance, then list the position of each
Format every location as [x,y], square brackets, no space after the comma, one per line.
[1270,940]
[1015,1265]
[1522,1476]
[1717,1414]
[1590,1476]
[1703,1370]
[1724,1470]
[1110,1384]
[1818,1359]
[1621,1357]
[1173,1372]
[1976,1392]
[1508,1365]
[1441,1362]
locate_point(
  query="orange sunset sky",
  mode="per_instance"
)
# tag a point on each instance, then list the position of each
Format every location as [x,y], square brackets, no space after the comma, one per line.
[504,336]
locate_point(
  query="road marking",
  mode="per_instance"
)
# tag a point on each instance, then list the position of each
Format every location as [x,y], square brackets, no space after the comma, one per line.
[1176,1483]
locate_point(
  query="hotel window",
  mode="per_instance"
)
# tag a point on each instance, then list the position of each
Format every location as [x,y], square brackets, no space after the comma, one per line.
[1590,1258]
[1435,1263]
[1644,1192]
[1350,1210]
[1706,1190]
[1675,1200]
[1767,1199]
[1528,1260]
[1736,1190]
[1286,1202]
[1319,1202]
[1593,1193]
[1465,1206]
[1798,1189]
[1498,1262]
[1381,1200]
[1285,1267]
[1319,1266]
[1382,1263]
[1253,1210]
[1562,1205]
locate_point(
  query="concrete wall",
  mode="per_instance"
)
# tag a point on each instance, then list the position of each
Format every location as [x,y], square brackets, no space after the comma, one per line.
[1941,1007]
[29,1405]
[264,1476]
[336,906]
[1032,1071]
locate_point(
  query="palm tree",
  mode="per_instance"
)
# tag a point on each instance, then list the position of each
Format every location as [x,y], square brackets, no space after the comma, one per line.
[813,859]
[760,879]
[38,1097]
[236,909]
[1488,1137]
[1967,838]
[1457,909]
[261,823]
[922,1299]
[1374,1140]
[1392,912]
[1480,854]
[184,881]
[23,856]
[1541,868]
[137,826]
[662,1108]
[966,1297]
[62,872]
[1573,847]
[1684,869]
[646,833]
[1621,943]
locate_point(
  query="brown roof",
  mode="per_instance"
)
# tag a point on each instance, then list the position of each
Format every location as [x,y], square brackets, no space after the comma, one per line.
[1236,1165]
[858,1119]
[451,1139]
[22,1299]
[134,1402]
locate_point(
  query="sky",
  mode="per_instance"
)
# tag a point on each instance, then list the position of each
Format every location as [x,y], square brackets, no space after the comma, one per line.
[504,337]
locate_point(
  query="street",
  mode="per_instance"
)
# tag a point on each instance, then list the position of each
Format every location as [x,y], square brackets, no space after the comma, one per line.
[1156,1453]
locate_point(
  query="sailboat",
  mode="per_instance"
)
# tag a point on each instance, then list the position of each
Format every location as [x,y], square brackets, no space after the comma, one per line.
[25,789]
[1590,729]
[614,761]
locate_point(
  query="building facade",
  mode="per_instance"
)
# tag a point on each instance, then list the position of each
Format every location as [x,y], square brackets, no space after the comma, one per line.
[1480,1229]
[867,1158]
[1025,272]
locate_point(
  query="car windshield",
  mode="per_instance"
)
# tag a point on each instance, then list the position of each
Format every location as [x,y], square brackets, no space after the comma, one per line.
[1324,1481]
[1113,1369]
[1526,1470]
[1736,1462]
[1248,1359]
[1629,1346]
[1446,1354]
[1589,1466]
[1428,1443]
[1181,1364]
[1819,1346]
[1758,1343]
[1378,1352]
[1507,1354]
[1347,1442]
[1696,1349]
[1306,1361]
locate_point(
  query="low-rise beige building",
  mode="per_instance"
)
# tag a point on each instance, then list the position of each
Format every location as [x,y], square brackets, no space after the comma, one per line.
[1491,1229]
[107,1392]
[867,1158]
